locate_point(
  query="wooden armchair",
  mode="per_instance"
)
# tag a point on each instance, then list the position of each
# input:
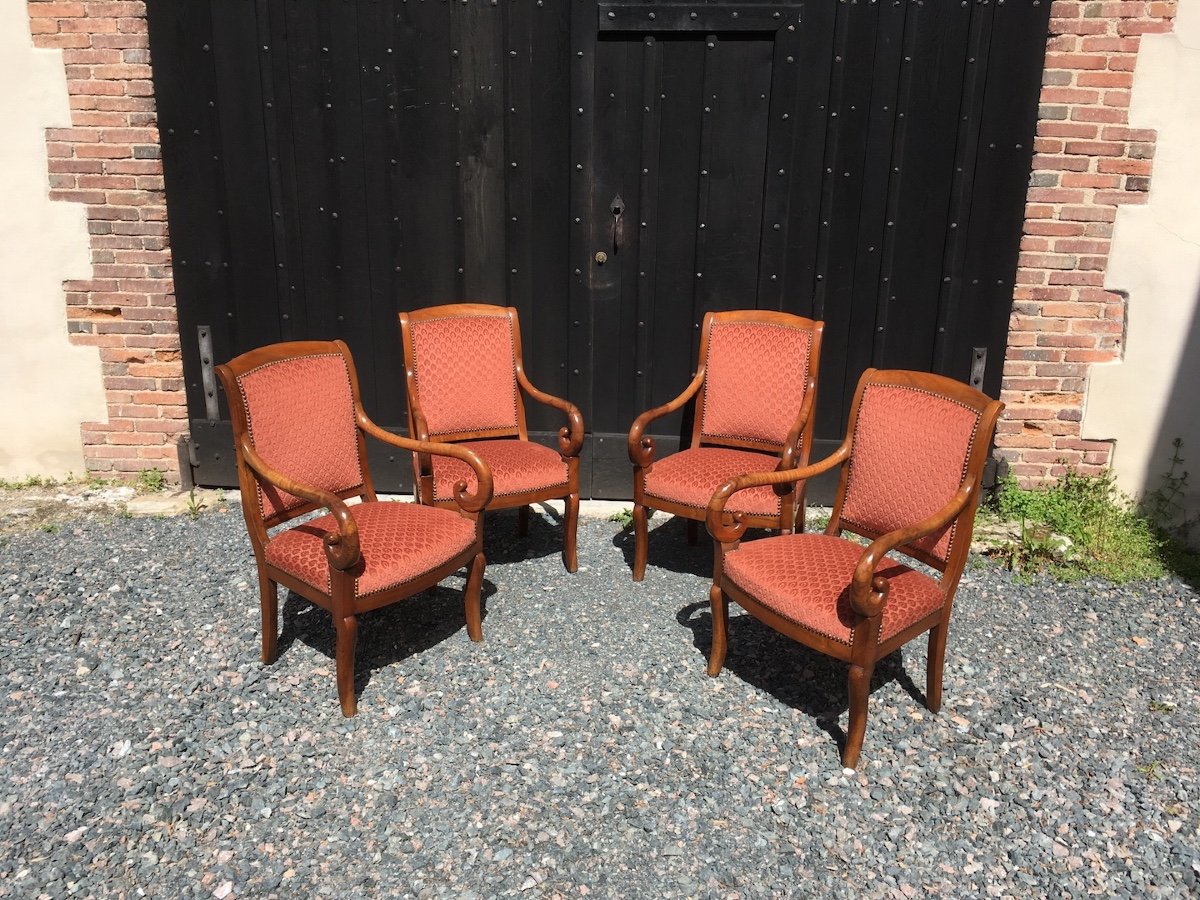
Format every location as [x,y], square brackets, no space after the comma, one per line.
[755,388]
[298,428]
[911,466]
[463,369]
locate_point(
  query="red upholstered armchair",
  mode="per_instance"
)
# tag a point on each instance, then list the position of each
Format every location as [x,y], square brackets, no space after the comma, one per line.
[465,380]
[298,428]
[911,466]
[755,387]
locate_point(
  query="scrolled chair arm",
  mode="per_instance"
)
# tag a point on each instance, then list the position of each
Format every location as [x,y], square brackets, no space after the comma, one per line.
[792,451]
[868,591]
[471,503]
[641,447]
[341,546]
[570,436]
[729,527]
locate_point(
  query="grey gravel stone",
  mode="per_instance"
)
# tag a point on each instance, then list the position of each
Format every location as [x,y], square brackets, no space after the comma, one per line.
[580,749]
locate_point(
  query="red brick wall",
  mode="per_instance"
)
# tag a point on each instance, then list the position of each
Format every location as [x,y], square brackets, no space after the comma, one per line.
[1088,162]
[108,160]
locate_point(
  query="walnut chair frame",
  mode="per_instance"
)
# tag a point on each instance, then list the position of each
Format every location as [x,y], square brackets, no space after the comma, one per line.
[271,497]
[506,428]
[790,453]
[940,539]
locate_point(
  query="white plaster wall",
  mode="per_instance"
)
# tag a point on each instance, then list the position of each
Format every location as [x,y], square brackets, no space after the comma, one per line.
[47,386]
[1152,396]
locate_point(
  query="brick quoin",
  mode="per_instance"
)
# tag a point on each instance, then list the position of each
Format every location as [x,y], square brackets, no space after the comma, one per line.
[109,160]
[1087,162]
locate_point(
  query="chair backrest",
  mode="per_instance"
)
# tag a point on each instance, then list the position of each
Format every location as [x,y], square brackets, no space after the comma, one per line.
[460,363]
[758,368]
[916,438]
[295,403]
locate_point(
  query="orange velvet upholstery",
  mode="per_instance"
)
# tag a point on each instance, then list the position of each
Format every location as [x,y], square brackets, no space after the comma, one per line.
[911,467]
[301,421]
[755,377]
[689,477]
[806,579]
[465,373]
[465,382]
[399,542]
[752,398]
[517,467]
[910,453]
[299,434]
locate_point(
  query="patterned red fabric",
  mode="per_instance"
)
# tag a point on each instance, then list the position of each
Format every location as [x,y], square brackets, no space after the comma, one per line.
[755,377]
[398,542]
[301,414]
[910,453]
[806,579]
[692,476]
[517,466]
[466,373]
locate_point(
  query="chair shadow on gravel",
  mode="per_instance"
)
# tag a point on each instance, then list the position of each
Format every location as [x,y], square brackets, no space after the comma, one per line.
[792,673]
[668,547]
[502,543]
[388,635]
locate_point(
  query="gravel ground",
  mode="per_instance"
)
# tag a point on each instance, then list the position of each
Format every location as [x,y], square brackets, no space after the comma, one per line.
[580,749]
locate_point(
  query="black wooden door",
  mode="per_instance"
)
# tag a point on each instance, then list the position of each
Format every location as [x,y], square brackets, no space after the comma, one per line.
[612,169]
[860,163]
[685,135]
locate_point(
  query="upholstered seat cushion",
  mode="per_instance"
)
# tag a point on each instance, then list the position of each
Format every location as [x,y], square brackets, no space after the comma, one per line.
[516,466]
[398,542]
[690,477]
[806,579]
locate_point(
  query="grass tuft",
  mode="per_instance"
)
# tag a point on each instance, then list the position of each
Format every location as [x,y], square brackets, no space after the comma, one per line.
[1083,526]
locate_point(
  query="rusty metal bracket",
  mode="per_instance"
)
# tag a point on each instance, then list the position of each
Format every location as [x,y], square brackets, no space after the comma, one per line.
[978,366]
[204,339]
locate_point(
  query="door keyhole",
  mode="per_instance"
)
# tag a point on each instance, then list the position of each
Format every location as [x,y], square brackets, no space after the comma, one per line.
[618,224]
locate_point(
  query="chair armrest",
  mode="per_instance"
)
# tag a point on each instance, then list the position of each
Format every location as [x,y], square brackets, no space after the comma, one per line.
[728,532]
[868,591]
[792,452]
[468,502]
[341,548]
[570,436]
[641,449]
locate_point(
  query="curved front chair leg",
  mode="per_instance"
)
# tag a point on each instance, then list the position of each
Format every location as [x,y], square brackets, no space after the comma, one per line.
[570,533]
[859,683]
[641,539]
[471,598]
[720,627]
[269,600]
[347,640]
[934,663]
[523,521]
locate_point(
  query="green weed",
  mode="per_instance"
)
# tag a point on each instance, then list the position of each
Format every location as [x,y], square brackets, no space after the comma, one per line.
[1082,526]
[624,517]
[29,481]
[1150,770]
[151,481]
[195,506]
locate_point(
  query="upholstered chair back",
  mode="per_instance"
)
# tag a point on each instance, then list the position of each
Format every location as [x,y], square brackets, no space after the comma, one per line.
[465,367]
[910,455]
[300,420]
[756,374]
